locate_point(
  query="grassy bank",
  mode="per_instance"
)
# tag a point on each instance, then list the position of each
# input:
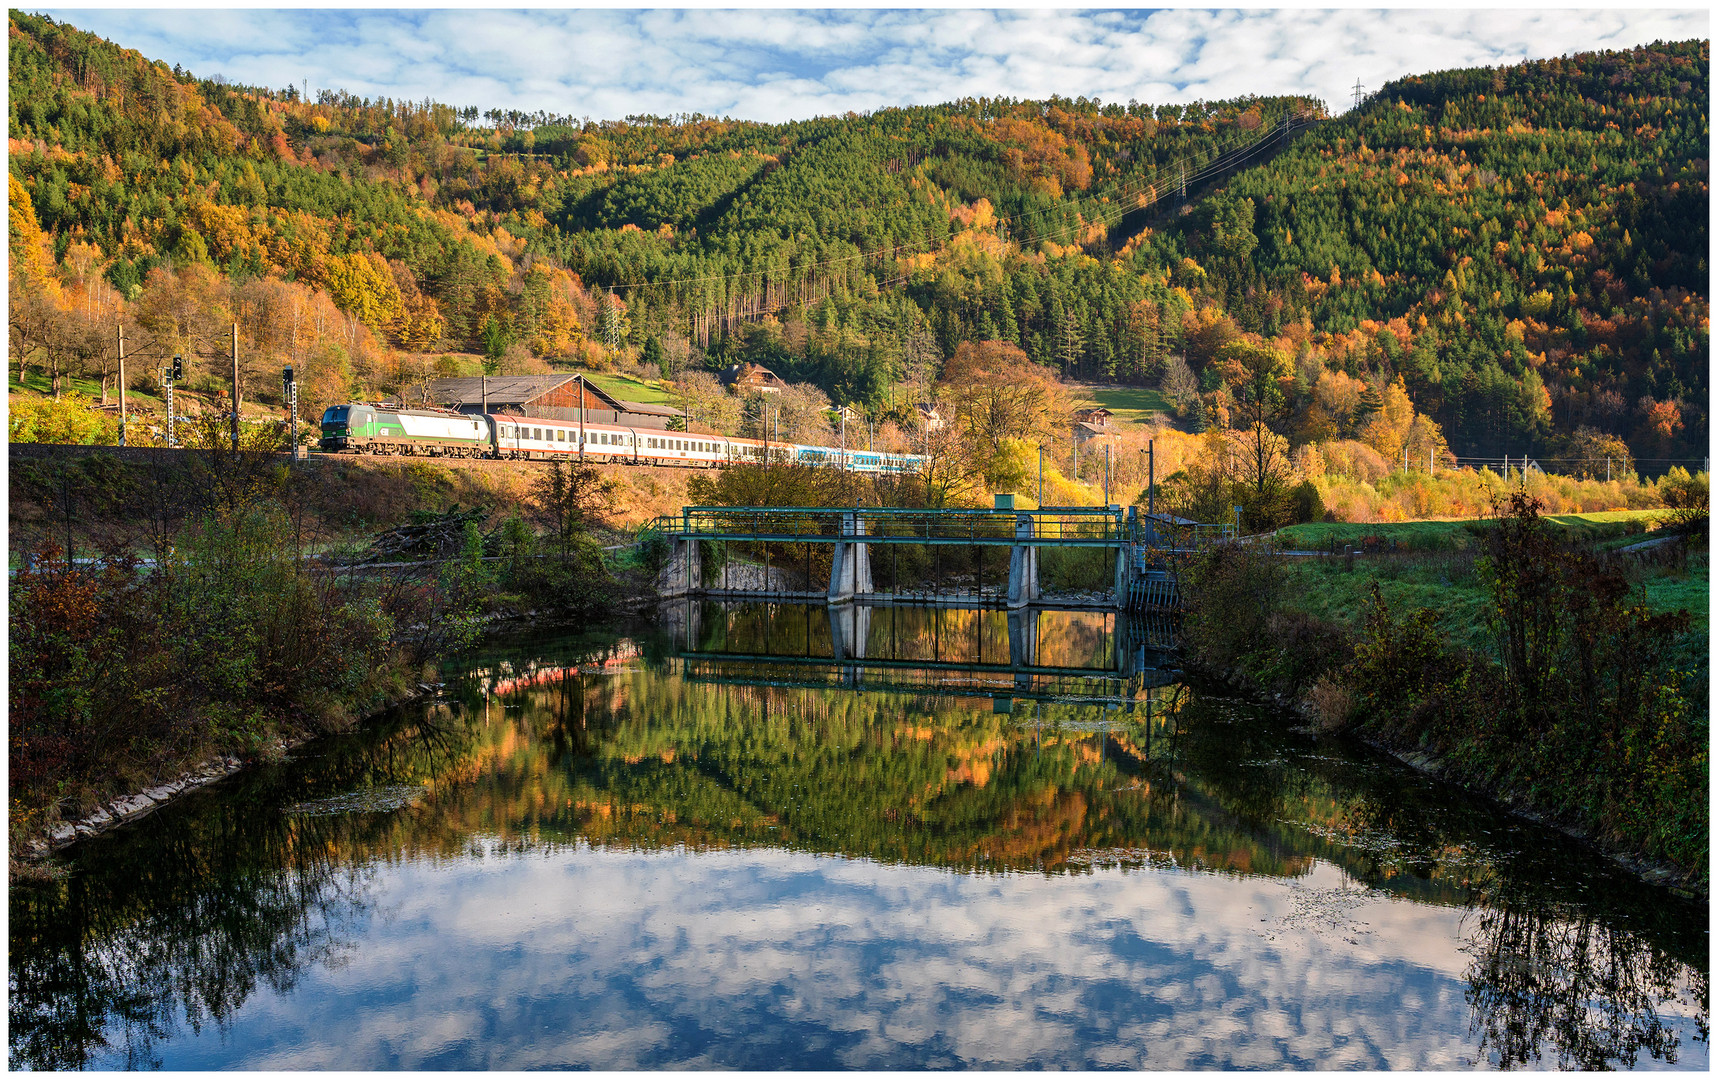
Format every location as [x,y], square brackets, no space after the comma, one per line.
[1462,534]
[1531,660]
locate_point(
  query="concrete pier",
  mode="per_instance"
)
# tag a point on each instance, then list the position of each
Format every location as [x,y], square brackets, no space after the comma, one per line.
[1022,566]
[850,566]
[684,572]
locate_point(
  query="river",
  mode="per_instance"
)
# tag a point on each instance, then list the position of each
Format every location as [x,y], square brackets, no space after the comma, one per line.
[757,836]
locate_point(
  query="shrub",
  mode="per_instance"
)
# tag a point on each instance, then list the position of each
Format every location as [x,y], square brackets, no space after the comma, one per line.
[1229,594]
[1308,505]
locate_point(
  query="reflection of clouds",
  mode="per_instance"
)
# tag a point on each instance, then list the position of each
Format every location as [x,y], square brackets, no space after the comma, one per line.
[761,958]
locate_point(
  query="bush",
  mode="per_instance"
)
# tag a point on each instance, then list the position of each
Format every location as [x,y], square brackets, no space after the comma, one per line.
[71,419]
[1308,505]
[221,645]
[1688,499]
[1229,594]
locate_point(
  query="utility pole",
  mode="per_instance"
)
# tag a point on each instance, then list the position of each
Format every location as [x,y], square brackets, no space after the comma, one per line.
[485,392]
[122,384]
[235,389]
[1358,90]
[1106,474]
[1040,476]
[1607,470]
[582,418]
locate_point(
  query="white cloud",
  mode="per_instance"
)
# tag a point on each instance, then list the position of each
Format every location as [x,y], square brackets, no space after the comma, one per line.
[774,65]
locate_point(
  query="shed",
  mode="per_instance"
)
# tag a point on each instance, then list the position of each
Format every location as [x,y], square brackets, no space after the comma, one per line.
[551,397]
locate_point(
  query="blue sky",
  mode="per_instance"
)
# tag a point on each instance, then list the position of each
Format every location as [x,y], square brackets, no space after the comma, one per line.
[789,63]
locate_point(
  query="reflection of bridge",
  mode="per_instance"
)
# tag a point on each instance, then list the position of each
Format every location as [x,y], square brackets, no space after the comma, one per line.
[916,650]
[853,533]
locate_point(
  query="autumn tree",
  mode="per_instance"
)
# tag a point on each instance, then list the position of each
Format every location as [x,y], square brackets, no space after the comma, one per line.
[1259,375]
[993,391]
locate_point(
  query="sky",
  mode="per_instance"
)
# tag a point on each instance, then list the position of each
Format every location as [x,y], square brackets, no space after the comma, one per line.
[777,64]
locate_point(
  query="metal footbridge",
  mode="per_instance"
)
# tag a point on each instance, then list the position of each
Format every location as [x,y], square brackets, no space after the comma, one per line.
[1142,580]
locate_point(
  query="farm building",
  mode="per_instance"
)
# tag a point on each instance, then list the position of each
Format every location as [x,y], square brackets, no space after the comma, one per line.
[552,397]
[752,379]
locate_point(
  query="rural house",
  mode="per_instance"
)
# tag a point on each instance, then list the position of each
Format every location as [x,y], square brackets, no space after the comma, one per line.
[752,379]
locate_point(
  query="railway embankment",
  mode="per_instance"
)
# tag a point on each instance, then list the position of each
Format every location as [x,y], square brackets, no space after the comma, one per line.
[1566,680]
[95,490]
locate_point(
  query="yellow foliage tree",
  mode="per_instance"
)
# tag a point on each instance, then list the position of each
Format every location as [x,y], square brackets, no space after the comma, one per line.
[27,253]
[363,287]
[1387,429]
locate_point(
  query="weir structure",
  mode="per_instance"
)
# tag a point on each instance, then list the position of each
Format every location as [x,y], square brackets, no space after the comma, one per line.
[853,534]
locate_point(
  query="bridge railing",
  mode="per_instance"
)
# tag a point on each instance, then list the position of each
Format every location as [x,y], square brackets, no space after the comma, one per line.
[1081,526]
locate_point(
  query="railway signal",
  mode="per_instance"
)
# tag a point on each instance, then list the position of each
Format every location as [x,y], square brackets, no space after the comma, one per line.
[290,385]
[170,375]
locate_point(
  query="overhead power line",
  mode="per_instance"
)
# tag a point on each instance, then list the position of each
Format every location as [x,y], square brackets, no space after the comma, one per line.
[1224,156]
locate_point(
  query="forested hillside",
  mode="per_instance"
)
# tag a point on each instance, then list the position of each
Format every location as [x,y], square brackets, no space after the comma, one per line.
[1487,261]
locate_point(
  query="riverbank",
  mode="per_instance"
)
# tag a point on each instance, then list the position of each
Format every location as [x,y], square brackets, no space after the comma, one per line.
[100,809]
[172,613]
[29,851]
[1595,723]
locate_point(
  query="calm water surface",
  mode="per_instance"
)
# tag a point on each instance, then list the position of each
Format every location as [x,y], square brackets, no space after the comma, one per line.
[761,837]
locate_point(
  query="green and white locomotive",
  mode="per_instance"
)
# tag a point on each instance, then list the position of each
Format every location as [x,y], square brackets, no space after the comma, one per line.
[358,428]
[380,430]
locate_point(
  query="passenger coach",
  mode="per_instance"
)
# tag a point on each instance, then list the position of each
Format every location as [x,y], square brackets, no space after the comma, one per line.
[378,429]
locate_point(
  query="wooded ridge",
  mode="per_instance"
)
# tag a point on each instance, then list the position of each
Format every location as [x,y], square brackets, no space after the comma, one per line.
[1519,253]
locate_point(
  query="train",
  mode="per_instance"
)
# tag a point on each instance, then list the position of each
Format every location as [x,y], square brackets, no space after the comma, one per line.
[362,428]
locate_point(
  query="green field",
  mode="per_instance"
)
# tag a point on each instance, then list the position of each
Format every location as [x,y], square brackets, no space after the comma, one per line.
[1130,404]
[41,384]
[1446,583]
[1610,528]
[627,388]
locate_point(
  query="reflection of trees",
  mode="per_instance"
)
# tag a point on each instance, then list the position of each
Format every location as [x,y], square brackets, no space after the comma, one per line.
[1552,979]
[180,920]
[110,960]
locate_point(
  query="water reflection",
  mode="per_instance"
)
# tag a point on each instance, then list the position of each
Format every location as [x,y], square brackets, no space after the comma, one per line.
[621,858]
